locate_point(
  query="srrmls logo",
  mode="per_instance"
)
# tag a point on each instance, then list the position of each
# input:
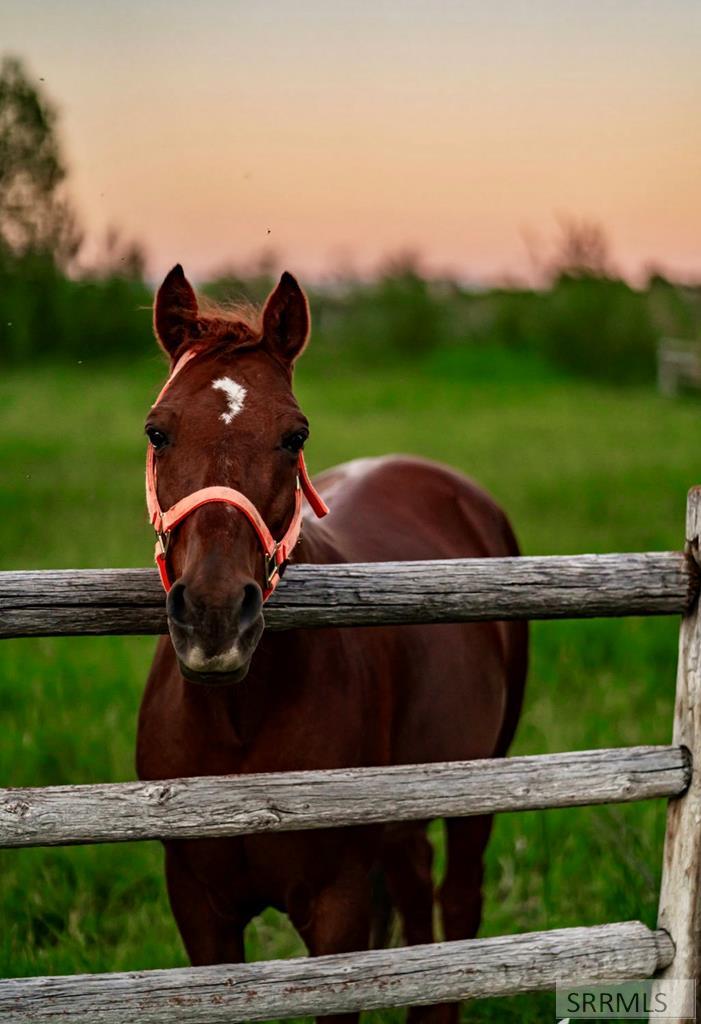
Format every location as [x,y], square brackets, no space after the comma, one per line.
[630,1000]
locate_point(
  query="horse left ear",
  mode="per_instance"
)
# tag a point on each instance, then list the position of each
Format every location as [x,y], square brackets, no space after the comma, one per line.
[286,320]
[175,313]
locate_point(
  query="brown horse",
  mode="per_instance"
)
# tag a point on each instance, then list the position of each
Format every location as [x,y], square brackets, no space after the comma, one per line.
[223,697]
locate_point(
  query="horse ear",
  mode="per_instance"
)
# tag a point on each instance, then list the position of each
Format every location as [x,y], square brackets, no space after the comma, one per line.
[286,320]
[175,313]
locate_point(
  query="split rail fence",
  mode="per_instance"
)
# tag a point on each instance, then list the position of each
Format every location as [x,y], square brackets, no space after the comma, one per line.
[131,601]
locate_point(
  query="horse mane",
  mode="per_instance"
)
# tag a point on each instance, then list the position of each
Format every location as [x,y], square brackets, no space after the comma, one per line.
[217,326]
[239,324]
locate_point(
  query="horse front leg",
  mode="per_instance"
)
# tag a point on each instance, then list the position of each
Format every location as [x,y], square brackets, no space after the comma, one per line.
[209,937]
[336,918]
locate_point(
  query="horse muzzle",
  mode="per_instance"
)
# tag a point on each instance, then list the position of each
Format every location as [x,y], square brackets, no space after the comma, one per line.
[214,644]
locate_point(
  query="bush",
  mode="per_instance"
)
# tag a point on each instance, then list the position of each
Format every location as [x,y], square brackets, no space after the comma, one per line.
[46,315]
[598,327]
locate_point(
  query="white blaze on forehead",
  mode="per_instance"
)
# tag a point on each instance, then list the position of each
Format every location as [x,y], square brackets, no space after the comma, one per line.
[235,394]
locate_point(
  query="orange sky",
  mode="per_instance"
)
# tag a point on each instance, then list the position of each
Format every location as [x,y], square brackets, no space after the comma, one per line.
[338,132]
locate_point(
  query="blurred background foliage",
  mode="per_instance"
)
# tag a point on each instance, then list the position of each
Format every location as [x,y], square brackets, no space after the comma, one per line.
[583,317]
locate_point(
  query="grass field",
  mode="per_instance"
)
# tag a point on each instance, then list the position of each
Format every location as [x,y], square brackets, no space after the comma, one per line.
[578,467]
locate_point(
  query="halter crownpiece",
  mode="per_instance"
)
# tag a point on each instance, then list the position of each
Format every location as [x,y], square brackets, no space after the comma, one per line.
[275,552]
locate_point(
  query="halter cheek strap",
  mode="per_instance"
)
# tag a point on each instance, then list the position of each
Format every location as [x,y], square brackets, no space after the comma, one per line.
[275,552]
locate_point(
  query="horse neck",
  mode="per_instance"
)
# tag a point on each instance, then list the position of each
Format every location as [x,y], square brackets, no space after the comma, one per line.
[317,544]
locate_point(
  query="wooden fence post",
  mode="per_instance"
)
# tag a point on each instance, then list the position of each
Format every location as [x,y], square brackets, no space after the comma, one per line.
[680,894]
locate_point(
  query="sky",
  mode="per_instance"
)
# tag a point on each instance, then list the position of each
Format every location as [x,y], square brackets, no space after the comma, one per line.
[336,133]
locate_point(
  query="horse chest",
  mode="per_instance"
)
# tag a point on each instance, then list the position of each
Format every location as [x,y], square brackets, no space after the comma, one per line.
[203,733]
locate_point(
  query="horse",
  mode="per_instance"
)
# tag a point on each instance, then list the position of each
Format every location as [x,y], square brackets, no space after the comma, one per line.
[224,697]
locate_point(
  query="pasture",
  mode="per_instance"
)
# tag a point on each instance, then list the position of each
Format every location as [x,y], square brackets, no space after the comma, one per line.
[579,467]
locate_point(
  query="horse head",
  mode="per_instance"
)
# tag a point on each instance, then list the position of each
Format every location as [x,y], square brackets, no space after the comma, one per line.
[225,459]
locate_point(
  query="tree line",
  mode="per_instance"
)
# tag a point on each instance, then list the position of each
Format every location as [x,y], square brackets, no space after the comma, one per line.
[583,317]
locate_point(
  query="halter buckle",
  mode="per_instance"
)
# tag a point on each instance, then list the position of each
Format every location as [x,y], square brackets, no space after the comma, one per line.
[163,540]
[272,567]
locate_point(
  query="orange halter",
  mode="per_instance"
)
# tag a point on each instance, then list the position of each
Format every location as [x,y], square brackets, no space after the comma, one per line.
[275,552]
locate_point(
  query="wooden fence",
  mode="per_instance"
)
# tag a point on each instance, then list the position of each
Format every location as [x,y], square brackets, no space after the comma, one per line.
[131,601]
[678,365]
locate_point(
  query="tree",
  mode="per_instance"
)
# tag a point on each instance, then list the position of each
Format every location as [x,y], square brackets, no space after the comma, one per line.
[36,217]
[582,250]
[118,258]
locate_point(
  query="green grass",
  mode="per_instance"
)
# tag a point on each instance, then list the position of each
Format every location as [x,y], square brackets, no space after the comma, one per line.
[578,467]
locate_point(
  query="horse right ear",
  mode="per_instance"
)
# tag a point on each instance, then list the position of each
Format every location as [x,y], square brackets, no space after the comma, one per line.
[175,313]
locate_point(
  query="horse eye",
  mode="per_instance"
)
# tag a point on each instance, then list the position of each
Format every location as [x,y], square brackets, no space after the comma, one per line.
[295,442]
[157,438]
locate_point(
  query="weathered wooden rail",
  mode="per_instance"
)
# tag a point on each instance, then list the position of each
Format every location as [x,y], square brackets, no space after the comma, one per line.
[130,601]
[99,601]
[336,984]
[227,805]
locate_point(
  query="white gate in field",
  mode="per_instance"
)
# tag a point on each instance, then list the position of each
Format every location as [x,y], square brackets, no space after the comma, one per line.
[678,365]
[130,601]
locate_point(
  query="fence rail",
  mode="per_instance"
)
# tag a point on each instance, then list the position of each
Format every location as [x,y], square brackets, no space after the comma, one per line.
[285,801]
[128,601]
[343,983]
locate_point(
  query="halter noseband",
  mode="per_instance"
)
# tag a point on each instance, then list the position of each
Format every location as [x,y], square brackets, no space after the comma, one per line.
[275,552]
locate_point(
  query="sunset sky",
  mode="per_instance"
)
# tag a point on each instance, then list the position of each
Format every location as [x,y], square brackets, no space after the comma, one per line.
[338,132]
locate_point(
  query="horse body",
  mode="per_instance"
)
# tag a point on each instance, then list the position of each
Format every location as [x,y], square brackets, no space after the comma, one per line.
[335,698]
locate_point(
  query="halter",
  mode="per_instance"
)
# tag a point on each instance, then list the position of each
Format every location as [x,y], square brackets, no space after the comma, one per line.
[275,552]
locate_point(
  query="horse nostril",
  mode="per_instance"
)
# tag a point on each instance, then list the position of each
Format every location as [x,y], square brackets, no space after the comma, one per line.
[177,606]
[251,606]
